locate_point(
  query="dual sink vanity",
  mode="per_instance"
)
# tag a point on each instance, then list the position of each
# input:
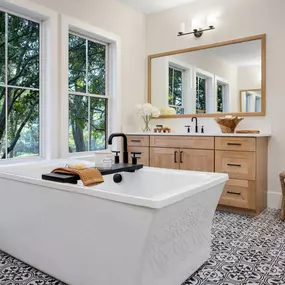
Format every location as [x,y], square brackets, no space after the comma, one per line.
[242,157]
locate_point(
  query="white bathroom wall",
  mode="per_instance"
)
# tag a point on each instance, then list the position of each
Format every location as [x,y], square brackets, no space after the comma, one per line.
[159,79]
[249,77]
[235,20]
[129,25]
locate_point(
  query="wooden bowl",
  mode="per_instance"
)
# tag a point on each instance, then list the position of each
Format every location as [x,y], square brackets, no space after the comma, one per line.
[228,125]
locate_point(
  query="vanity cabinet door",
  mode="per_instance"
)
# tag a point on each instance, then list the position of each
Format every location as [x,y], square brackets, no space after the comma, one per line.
[197,160]
[164,157]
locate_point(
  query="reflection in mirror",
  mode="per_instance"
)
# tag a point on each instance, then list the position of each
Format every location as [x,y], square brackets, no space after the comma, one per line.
[209,81]
[250,100]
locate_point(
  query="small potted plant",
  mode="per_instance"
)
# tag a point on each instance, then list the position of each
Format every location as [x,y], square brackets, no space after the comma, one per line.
[147,112]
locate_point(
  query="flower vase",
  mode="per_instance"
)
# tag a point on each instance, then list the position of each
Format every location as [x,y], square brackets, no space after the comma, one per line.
[146,126]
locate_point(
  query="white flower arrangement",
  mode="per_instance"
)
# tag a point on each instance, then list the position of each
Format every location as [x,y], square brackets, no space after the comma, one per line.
[168,111]
[147,111]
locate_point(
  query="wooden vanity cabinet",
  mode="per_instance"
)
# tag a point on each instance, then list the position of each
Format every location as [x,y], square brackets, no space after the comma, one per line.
[180,152]
[163,157]
[197,159]
[245,160]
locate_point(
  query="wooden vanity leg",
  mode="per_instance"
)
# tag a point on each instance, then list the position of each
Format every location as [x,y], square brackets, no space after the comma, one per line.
[282,180]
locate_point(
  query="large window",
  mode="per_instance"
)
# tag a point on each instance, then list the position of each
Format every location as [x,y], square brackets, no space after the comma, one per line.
[200,94]
[88,94]
[19,86]
[175,87]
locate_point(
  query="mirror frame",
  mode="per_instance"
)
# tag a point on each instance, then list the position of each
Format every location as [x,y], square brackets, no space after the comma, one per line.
[261,37]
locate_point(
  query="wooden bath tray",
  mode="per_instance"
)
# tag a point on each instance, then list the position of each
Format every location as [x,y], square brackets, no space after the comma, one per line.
[71,178]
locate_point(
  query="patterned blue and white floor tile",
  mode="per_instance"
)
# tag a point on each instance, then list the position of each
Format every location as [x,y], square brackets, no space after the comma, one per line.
[245,251]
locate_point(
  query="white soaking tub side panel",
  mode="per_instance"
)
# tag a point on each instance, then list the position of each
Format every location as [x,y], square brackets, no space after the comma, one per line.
[179,240]
[75,238]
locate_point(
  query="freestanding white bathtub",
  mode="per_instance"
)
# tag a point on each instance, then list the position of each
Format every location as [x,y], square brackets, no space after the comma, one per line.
[151,229]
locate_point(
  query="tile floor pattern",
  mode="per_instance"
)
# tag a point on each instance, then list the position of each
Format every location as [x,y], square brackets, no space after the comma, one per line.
[245,250]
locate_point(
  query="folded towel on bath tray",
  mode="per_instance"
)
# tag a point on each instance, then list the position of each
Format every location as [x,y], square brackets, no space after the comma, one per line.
[88,176]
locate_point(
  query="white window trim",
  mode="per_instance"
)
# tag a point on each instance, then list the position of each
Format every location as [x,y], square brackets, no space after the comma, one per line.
[227,100]
[49,131]
[114,106]
[210,91]
[187,84]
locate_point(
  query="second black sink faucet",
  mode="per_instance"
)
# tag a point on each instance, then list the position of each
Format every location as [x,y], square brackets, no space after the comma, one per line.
[125,153]
[196,126]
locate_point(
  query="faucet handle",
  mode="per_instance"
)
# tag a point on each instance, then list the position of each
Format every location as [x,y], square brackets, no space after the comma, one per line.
[134,157]
[188,128]
[117,158]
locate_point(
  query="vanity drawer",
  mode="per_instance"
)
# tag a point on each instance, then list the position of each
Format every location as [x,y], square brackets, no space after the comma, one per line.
[240,144]
[138,140]
[238,164]
[239,193]
[143,158]
[182,142]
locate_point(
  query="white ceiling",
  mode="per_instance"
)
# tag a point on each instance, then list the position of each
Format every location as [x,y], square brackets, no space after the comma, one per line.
[151,6]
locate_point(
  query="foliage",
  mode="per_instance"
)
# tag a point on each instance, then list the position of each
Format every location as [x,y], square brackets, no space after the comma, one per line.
[200,95]
[220,98]
[19,107]
[87,114]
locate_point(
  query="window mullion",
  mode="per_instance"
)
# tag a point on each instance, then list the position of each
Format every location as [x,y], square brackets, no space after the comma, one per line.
[6,87]
[88,98]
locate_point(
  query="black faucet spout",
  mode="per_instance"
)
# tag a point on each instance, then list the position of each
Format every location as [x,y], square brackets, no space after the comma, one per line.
[125,153]
[196,123]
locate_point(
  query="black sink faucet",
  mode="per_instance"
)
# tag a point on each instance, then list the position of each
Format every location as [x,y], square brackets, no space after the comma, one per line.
[196,126]
[125,153]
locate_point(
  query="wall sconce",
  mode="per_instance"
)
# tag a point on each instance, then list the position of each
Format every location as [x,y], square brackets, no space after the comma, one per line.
[196,26]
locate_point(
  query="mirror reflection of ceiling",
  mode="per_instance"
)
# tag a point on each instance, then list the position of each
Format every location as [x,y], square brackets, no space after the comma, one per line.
[208,80]
[240,55]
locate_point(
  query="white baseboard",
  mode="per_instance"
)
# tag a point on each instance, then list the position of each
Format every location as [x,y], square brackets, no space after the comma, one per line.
[274,200]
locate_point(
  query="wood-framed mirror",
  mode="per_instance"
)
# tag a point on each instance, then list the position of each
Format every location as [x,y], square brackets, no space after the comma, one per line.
[225,78]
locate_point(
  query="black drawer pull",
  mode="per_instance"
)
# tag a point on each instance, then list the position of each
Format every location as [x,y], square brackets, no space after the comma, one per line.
[175,157]
[234,144]
[234,193]
[232,164]
[181,157]
[136,141]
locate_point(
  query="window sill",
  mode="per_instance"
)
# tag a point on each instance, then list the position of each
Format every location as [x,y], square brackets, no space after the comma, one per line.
[20,160]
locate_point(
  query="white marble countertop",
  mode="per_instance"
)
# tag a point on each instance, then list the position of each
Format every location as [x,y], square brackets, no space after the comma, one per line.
[199,134]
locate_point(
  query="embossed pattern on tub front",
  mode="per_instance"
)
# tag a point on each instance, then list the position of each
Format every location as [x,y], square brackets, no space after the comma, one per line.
[179,238]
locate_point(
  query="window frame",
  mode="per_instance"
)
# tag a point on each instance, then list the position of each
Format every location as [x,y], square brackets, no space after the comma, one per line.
[48,117]
[176,68]
[226,93]
[114,89]
[90,95]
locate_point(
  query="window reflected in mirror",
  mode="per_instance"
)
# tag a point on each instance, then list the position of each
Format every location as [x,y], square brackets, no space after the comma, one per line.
[250,100]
